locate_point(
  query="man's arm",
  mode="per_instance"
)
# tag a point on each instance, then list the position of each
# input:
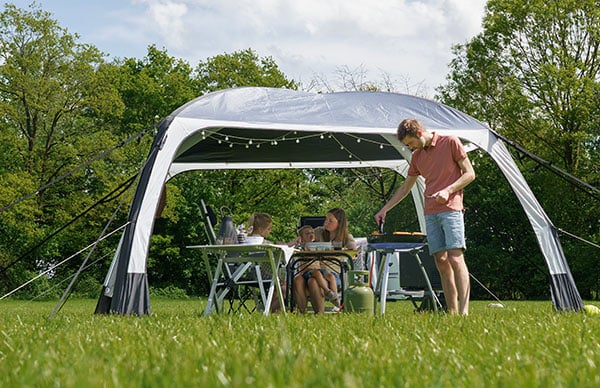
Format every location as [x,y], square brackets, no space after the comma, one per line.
[468,176]
[398,196]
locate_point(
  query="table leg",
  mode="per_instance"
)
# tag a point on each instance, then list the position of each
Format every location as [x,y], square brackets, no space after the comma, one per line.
[279,290]
[274,287]
[261,288]
[383,281]
[211,304]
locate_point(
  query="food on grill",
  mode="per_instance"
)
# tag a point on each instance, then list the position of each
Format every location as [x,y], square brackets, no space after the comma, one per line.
[378,237]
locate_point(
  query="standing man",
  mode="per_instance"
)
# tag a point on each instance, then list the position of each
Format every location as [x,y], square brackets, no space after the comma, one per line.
[444,164]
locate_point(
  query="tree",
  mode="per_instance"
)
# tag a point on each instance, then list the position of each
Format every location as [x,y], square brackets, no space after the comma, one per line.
[54,99]
[357,79]
[533,75]
[242,68]
[153,87]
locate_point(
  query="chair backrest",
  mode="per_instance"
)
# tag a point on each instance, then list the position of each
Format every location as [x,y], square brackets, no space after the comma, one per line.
[313,221]
[210,220]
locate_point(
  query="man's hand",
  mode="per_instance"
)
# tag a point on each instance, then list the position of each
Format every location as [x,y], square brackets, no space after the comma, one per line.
[441,196]
[380,217]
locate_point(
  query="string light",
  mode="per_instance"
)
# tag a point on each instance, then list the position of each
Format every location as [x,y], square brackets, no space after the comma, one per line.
[295,136]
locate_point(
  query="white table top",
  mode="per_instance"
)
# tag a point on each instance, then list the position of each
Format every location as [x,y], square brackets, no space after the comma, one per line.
[245,248]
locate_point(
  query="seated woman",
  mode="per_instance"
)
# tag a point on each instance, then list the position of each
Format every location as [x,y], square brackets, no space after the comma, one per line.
[320,284]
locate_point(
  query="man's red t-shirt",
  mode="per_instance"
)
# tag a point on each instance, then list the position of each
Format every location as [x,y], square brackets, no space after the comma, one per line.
[438,164]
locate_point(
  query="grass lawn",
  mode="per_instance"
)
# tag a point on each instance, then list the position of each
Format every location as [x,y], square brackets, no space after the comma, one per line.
[523,344]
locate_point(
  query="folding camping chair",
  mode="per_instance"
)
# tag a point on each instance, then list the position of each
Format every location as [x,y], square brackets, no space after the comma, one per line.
[242,281]
[337,262]
[210,220]
[314,221]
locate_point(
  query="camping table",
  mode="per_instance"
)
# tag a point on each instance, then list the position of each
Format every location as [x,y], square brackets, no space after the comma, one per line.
[303,259]
[246,255]
[390,249]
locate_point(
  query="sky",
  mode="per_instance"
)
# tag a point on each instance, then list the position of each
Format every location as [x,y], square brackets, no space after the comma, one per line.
[407,41]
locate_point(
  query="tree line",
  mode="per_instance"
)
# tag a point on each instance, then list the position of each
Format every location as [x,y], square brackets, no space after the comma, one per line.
[77,128]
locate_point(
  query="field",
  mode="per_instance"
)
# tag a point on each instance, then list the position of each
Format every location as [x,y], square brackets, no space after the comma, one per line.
[523,344]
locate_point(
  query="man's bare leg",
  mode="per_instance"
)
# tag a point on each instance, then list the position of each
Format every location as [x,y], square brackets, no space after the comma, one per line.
[448,284]
[456,259]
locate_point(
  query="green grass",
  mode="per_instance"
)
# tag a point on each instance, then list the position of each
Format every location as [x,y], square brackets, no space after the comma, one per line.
[524,344]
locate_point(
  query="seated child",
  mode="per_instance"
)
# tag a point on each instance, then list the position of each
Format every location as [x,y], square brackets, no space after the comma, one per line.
[325,279]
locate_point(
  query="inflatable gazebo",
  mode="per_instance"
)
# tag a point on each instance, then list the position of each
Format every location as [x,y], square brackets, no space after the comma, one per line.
[268,128]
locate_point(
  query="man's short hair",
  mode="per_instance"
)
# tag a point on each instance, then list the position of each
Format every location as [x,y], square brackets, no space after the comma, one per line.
[409,127]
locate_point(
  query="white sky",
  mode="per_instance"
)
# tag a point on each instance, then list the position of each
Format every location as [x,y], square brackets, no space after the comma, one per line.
[408,40]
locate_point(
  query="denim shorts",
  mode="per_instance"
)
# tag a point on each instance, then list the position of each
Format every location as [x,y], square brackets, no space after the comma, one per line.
[445,231]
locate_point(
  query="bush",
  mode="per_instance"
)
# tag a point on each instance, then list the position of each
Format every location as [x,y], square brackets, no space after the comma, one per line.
[87,287]
[169,292]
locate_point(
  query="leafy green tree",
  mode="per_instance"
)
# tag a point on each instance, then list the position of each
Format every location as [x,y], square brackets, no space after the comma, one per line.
[532,75]
[54,99]
[153,87]
[241,68]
